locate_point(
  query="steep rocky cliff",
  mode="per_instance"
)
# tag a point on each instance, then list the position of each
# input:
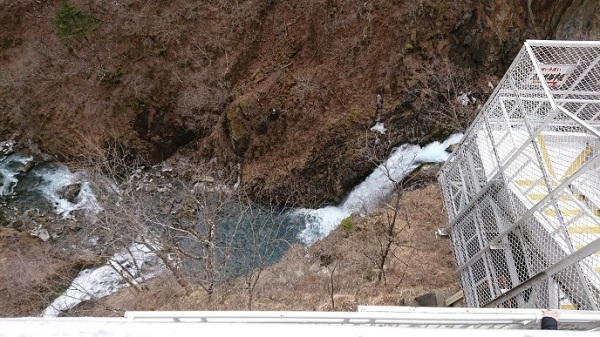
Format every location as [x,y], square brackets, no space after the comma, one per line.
[281,92]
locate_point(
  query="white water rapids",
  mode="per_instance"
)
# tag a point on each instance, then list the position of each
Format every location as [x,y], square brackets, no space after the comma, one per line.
[141,264]
[371,192]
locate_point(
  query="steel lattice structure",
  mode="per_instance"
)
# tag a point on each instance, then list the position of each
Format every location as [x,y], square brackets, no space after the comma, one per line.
[522,190]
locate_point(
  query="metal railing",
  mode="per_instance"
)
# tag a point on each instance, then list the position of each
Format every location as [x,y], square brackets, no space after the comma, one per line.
[368,321]
[399,317]
[488,318]
[522,189]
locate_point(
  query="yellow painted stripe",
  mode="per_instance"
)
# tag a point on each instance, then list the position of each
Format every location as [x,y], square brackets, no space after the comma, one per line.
[578,162]
[584,229]
[540,196]
[545,155]
[528,183]
[567,307]
[564,212]
[597,270]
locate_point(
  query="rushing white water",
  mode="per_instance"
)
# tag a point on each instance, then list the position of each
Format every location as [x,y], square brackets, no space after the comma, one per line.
[48,180]
[56,178]
[9,169]
[371,192]
[137,264]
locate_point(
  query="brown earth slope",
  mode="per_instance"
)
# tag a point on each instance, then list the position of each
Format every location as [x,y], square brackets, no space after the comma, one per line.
[285,89]
[281,92]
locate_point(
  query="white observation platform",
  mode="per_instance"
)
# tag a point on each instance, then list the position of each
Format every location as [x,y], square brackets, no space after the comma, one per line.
[522,190]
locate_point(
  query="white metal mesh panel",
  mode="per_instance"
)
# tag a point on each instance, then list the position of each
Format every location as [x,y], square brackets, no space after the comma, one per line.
[522,191]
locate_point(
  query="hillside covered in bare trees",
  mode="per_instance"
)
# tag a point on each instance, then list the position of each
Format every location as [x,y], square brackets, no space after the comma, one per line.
[167,105]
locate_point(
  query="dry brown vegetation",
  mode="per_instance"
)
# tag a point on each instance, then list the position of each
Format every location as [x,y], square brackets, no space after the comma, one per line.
[277,86]
[32,273]
[284,92]
[303,279]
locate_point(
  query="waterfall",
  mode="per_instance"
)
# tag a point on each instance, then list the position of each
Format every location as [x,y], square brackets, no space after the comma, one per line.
[49,179]
[374,189]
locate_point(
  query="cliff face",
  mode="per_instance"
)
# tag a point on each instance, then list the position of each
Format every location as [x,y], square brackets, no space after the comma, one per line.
[285,89]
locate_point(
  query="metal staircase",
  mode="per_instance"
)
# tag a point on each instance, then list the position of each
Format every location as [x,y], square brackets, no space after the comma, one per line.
[522,191]
[570,216]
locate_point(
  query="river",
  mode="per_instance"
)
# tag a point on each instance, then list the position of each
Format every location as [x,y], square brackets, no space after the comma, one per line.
[43,184]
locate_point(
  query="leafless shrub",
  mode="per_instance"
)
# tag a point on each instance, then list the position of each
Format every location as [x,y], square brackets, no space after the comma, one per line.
[447,100]
[305,86]
[204,230]
[421,9]
[331,286]
[388,230]
[30,275]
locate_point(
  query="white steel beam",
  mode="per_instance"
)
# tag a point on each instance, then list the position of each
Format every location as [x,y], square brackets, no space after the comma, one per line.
[555,268]
[559,43]
[531,211]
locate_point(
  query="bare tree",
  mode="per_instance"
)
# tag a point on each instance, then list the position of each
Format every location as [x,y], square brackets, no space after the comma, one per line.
[388,235]
[388,230]
[202,229]
[266,237]
[449,99]
[331,286]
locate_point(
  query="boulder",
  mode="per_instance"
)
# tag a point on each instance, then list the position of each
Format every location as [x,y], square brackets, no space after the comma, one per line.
[7,147]
[25,168]
[70,192]
[40,233]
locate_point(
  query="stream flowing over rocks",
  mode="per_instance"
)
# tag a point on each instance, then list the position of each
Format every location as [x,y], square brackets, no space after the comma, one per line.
[42,188]
[38,195]
[58,206]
